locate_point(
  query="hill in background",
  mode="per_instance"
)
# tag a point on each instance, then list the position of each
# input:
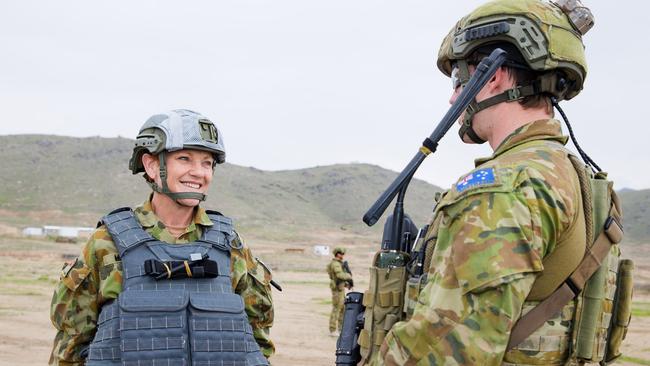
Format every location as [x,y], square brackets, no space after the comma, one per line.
[84,178]
[90,175]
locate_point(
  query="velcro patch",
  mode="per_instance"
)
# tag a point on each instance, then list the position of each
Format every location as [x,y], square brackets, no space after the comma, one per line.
[477,178]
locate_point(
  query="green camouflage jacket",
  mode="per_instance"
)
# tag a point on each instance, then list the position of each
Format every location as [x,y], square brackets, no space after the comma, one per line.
[496,225]
[96,277]
[337,275]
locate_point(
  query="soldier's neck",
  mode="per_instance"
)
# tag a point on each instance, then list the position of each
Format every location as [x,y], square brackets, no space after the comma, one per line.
[507,117]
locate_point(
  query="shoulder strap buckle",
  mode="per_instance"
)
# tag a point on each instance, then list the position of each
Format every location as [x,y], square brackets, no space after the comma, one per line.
[613,232]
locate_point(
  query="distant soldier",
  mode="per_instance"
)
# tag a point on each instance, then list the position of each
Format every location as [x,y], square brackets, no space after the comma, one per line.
[340,279]
[168,283]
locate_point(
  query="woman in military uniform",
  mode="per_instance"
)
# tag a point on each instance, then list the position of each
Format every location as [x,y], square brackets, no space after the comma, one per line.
[168,282]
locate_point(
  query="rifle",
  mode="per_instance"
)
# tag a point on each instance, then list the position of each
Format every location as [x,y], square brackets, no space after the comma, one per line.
[398,230]
[346,268]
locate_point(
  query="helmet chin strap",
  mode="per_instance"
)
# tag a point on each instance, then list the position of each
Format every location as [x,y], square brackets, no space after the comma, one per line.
[466,128]
[176,196]
[549,83]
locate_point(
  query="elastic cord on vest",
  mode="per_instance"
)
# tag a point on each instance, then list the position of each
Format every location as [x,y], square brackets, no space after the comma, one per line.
[169,271]
[589,161]
[201,268]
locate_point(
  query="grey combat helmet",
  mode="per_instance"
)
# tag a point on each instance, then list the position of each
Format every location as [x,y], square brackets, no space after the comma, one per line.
[176,130]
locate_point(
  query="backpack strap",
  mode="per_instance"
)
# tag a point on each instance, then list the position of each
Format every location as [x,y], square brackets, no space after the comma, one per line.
[572,245]
[611,233]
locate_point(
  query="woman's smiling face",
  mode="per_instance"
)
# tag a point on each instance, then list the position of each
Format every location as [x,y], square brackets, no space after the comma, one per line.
[187,171]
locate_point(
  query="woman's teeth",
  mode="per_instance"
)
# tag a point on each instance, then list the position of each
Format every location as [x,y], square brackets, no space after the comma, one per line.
[191,185]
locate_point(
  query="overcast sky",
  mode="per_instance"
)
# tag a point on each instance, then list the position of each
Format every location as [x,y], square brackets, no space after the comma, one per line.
[295,84]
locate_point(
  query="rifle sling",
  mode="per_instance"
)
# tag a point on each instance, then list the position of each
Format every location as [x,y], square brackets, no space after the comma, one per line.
[611,234]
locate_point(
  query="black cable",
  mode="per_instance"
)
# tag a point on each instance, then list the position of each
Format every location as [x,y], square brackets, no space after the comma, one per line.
[582,153]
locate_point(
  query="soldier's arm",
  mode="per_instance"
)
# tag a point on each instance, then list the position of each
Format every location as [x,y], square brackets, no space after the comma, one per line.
[495,243]
[339,273]
[251,280]
[74,308]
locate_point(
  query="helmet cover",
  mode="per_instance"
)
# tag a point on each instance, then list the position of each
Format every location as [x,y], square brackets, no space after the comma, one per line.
[544,35]
[176,130]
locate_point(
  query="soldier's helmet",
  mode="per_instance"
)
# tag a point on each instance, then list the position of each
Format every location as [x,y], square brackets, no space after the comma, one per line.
[176,130]
[338,250]
[548,36]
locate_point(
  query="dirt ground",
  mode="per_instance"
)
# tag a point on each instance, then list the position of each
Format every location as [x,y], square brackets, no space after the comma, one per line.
[29,269]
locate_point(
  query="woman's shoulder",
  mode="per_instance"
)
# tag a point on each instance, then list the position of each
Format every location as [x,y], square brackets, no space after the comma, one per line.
[99,245]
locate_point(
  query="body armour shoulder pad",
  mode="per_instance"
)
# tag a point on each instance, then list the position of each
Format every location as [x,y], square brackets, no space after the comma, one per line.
[125,230]
[127,233]
[221,229]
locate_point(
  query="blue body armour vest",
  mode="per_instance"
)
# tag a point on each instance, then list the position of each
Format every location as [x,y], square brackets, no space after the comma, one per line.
[173,322]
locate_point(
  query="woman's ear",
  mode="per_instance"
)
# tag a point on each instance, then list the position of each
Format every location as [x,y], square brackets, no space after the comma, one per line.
[151,165]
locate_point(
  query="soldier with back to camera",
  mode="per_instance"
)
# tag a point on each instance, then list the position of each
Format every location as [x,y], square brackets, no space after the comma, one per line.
[512,233]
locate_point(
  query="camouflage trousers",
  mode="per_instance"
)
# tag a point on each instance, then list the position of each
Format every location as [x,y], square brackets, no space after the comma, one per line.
[336,317]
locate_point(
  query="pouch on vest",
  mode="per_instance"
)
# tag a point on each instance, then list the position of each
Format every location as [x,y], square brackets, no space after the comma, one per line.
[419,265]
[622,310]
[163,311]
[384,301]
[421,256]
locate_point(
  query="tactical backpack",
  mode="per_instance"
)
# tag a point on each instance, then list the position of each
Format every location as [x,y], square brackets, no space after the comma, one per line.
[601,284]
[599,288]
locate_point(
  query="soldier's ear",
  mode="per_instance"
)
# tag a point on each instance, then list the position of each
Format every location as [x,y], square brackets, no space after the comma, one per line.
[151,166]
[501,81]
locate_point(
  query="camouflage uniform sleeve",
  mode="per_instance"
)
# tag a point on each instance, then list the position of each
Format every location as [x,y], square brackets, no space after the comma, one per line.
[74,307]
[251,280]
[489,250]
[339,273]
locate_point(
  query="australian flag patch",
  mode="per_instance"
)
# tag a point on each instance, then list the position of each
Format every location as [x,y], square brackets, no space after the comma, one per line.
[476,178]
